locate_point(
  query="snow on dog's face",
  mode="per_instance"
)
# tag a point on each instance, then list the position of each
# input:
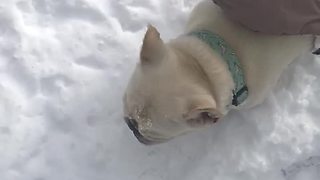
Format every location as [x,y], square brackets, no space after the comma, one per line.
[167,95]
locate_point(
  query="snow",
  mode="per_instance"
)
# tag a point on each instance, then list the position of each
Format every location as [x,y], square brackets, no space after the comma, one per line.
[64,65]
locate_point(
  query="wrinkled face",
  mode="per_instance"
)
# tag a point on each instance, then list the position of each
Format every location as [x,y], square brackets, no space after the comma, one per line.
[166,96]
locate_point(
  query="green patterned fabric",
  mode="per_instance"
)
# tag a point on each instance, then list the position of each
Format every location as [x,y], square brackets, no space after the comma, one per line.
[240,93]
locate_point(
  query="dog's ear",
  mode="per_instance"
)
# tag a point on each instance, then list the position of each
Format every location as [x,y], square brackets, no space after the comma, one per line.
[153,46]
[202,117]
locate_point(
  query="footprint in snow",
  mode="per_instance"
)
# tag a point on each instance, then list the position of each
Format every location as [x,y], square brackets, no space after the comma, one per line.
[69,10]
[308,169]
[54,84]
[92,62]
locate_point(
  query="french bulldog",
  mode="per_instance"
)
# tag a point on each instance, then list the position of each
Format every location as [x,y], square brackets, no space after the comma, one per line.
[194,80]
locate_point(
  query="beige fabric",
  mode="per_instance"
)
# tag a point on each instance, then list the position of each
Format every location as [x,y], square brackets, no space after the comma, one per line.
[275,16]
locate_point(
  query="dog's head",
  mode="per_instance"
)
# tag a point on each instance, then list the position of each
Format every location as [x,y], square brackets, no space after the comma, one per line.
[168,94]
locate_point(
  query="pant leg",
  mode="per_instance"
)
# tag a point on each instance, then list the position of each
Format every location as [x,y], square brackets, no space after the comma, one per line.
[275,16]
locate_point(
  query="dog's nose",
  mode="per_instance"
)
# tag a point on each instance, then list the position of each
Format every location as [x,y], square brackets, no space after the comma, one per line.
[133,125]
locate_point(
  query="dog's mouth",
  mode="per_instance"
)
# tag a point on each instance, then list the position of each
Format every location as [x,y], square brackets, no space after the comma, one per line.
[133,125]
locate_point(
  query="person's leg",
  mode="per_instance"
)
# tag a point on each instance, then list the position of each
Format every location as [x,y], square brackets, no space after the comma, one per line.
[279,17]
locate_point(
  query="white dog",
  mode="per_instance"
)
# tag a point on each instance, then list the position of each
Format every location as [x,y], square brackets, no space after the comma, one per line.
[195,79]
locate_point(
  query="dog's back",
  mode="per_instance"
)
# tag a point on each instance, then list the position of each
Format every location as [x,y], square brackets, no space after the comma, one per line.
[262,56]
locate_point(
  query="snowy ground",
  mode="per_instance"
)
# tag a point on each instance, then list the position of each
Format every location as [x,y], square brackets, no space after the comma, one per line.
[63,68]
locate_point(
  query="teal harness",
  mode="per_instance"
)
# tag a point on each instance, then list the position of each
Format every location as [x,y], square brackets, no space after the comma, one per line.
[240,92]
